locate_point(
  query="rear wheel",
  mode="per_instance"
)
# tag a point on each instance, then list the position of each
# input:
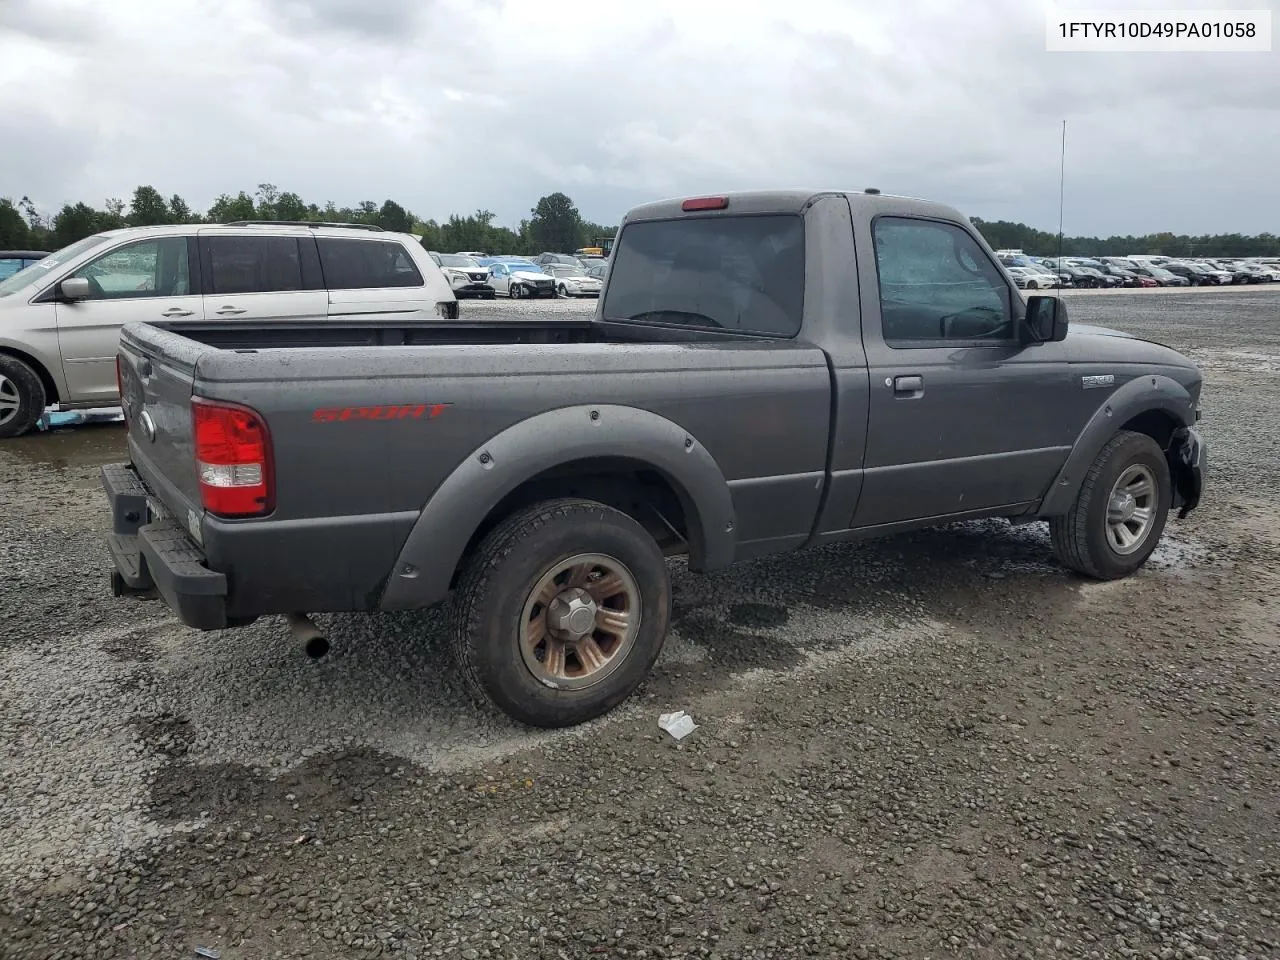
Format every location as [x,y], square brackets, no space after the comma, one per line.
[22,397]
[561,612]
[1120,512]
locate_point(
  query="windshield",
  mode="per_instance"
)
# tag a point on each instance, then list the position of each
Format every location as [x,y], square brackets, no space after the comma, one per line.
[41,268]
[736,273]
[561,270]
[453,260]
[1160,272]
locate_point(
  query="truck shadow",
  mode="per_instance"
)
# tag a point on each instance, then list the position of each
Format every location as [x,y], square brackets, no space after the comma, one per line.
[390,685]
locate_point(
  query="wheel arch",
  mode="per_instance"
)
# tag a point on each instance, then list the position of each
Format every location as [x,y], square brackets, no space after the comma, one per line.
[1152,404]
[634,460]
[51,392]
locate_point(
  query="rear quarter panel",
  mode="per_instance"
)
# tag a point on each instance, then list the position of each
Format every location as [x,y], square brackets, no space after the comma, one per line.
[350,484]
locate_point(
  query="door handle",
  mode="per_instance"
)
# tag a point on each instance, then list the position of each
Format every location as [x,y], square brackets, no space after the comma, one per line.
[176,312]
[229,311]
[911,385]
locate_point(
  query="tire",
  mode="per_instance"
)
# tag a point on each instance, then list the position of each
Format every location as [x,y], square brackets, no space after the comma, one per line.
[562,292]
[514,291]
[497,596]
[1082,539]
[492,295]
[22,397]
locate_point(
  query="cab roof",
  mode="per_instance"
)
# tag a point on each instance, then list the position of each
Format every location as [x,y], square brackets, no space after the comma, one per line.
[784,202]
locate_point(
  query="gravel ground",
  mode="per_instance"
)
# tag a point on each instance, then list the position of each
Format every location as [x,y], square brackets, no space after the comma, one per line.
[930,746]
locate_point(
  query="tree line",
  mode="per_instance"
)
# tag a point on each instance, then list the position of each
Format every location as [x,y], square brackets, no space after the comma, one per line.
[554,224]
[1004,235]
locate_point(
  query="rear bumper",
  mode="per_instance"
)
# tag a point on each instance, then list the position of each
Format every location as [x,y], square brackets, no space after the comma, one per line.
[153,555]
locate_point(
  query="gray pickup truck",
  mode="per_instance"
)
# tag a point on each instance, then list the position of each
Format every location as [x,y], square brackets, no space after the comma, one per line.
[765,371]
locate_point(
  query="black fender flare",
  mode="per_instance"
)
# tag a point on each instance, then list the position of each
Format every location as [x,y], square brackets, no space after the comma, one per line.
[450,518]
[1142,394]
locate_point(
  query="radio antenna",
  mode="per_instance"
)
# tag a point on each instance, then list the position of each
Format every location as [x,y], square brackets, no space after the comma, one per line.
[1062,179]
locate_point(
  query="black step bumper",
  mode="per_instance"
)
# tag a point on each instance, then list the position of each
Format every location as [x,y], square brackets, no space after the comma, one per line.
[154,555]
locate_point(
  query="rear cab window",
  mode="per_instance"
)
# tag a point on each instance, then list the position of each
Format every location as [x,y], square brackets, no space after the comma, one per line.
[351,264]
[739,274]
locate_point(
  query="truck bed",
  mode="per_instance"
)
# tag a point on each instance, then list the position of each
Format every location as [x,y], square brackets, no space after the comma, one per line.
[367,421]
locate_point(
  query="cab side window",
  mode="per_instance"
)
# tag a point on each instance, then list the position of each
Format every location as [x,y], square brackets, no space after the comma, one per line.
[148,268]
[937,285]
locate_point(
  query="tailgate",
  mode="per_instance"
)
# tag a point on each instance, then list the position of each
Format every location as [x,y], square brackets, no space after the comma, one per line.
[157,369]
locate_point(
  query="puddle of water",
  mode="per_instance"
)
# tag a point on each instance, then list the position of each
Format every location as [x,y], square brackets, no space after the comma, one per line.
[85,445]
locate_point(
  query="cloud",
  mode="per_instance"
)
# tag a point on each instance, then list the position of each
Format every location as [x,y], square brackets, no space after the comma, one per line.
[453,105]
[380,20]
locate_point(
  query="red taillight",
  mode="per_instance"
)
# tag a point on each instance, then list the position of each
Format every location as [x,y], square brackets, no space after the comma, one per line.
[705,203]
[233,459]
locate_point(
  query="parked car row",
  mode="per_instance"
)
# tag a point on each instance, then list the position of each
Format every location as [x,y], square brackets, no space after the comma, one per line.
[475,274]
[1138,270]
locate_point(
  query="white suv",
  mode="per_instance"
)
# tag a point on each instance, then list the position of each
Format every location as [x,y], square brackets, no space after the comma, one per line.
[60,318]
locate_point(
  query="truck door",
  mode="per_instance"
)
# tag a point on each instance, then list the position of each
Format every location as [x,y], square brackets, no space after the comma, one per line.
[261,277]
[963,416]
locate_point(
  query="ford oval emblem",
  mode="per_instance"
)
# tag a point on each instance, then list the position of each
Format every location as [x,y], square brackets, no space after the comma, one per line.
[148,426]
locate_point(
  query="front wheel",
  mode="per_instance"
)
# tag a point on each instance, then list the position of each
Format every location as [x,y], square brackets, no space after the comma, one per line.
[22,397]
[514,291]
[1120,512]
[562,291]
[561,612]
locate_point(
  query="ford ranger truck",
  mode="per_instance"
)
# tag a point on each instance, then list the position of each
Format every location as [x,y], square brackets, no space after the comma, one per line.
[764,372]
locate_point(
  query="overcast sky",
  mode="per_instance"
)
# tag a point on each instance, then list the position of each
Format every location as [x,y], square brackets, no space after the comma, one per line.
[452,105]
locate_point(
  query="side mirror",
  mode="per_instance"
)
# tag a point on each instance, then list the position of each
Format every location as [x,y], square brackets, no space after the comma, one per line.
[74,288]
[1047,318]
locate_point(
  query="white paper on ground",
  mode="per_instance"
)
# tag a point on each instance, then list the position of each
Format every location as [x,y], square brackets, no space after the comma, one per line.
[678,724]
